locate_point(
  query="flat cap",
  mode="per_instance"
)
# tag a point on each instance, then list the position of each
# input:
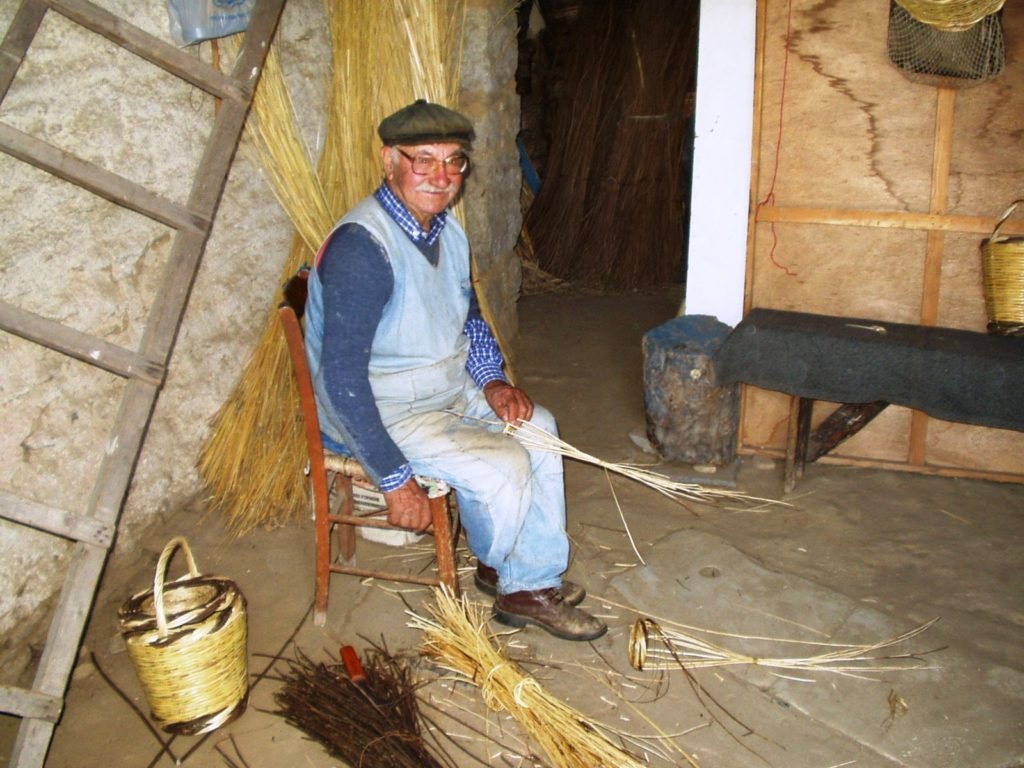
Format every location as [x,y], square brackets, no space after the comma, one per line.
[422,122]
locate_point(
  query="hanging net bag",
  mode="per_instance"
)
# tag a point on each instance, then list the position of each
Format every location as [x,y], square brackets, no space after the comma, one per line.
[947,43]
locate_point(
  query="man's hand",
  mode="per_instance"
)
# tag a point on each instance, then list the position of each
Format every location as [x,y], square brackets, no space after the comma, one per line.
[408,507]
[510,403]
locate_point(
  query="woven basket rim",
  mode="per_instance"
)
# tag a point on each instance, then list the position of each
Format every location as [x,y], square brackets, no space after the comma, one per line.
[950,14]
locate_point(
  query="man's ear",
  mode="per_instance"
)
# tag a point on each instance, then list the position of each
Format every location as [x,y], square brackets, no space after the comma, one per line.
[387,158]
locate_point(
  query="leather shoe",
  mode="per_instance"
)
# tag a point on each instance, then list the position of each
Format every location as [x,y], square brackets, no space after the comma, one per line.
[547,609]
[486,580]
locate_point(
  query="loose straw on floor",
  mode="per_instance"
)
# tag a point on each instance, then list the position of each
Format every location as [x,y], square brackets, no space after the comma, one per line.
[653,647]
[457,638]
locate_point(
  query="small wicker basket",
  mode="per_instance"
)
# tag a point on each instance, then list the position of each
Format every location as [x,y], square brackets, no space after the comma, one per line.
[187,640]
[1003,279]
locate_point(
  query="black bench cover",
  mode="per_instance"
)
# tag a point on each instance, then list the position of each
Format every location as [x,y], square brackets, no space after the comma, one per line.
[951,374]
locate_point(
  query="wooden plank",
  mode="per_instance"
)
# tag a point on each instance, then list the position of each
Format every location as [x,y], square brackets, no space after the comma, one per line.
[59,522]
[846,421]
[981,225]
[99,181]
[17,41]
[26,703]
[154,50]
[60,650]
[942,156]
[81,346]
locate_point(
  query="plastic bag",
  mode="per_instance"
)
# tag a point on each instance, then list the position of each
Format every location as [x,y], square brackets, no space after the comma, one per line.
[196,20]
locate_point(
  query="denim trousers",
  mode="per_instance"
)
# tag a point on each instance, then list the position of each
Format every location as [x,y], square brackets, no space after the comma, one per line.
[511,499]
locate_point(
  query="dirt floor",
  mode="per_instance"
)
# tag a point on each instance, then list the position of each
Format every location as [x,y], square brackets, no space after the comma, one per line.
[858,557]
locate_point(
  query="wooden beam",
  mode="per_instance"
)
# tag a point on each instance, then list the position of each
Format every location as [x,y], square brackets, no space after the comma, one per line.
[844,422]
[979,225]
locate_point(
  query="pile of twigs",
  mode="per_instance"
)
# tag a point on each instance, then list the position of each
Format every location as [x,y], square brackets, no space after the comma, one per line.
[372,724]
[458,639]
[609,213]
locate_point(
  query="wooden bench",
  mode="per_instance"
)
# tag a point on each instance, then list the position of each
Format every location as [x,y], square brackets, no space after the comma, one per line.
[865,365]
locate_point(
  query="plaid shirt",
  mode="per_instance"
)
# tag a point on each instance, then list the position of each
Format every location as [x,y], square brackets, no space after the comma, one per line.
[397,210]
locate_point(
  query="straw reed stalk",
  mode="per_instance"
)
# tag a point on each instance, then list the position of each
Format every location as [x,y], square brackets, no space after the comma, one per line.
[653,647]
[457,638]
[383,55]
[532,436]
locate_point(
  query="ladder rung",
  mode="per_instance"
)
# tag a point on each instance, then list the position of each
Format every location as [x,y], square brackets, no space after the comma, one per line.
[81,346]
[110,186]
[152,49]
[26,703]
[59,522]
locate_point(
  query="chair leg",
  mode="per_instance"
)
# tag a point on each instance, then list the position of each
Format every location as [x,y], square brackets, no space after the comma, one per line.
[444,545]
[346,533]
[322,526]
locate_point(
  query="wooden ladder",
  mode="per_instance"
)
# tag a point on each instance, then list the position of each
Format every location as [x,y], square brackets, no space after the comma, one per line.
[144,368]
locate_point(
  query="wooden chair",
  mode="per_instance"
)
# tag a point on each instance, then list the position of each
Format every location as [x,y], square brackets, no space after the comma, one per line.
[356,501]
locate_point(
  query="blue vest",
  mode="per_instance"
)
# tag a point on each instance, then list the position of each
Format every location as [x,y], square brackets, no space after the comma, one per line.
[419,349]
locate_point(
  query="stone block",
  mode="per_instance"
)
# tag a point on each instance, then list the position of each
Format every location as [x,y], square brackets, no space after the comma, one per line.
[689,417]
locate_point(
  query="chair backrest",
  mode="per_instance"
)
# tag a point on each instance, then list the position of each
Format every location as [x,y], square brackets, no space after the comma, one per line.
[291,310]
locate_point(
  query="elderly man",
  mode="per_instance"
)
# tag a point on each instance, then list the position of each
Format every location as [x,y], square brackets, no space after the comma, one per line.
[409,378]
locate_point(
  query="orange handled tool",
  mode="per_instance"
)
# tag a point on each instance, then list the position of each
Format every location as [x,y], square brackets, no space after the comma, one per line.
[350,659]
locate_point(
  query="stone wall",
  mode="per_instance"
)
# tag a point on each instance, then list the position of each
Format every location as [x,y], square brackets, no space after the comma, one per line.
[74,258]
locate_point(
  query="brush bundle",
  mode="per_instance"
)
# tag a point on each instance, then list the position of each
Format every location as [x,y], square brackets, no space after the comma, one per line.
[373,723]
[609,213]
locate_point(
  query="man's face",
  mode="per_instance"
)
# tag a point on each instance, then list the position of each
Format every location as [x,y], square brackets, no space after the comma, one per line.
[427,194]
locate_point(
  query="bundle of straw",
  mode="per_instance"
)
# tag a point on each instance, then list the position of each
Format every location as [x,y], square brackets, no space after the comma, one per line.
[383,56]
[653,647]
[457,638]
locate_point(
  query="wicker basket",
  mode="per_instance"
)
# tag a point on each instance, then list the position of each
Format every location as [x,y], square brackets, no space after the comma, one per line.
[1003,276]
[187,641]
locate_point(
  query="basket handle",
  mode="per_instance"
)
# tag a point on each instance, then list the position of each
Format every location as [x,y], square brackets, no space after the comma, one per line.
[1004,217]
[161,573]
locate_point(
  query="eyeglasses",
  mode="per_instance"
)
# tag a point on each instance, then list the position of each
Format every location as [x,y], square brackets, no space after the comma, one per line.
[423,165]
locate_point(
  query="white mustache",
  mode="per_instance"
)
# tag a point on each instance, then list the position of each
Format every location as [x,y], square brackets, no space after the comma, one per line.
[428,187]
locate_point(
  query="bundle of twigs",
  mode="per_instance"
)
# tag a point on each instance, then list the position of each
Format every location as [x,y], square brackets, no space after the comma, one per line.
[532,436]
[610,210]
[458,639]
[653,647]
[373,723]
[383,56]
